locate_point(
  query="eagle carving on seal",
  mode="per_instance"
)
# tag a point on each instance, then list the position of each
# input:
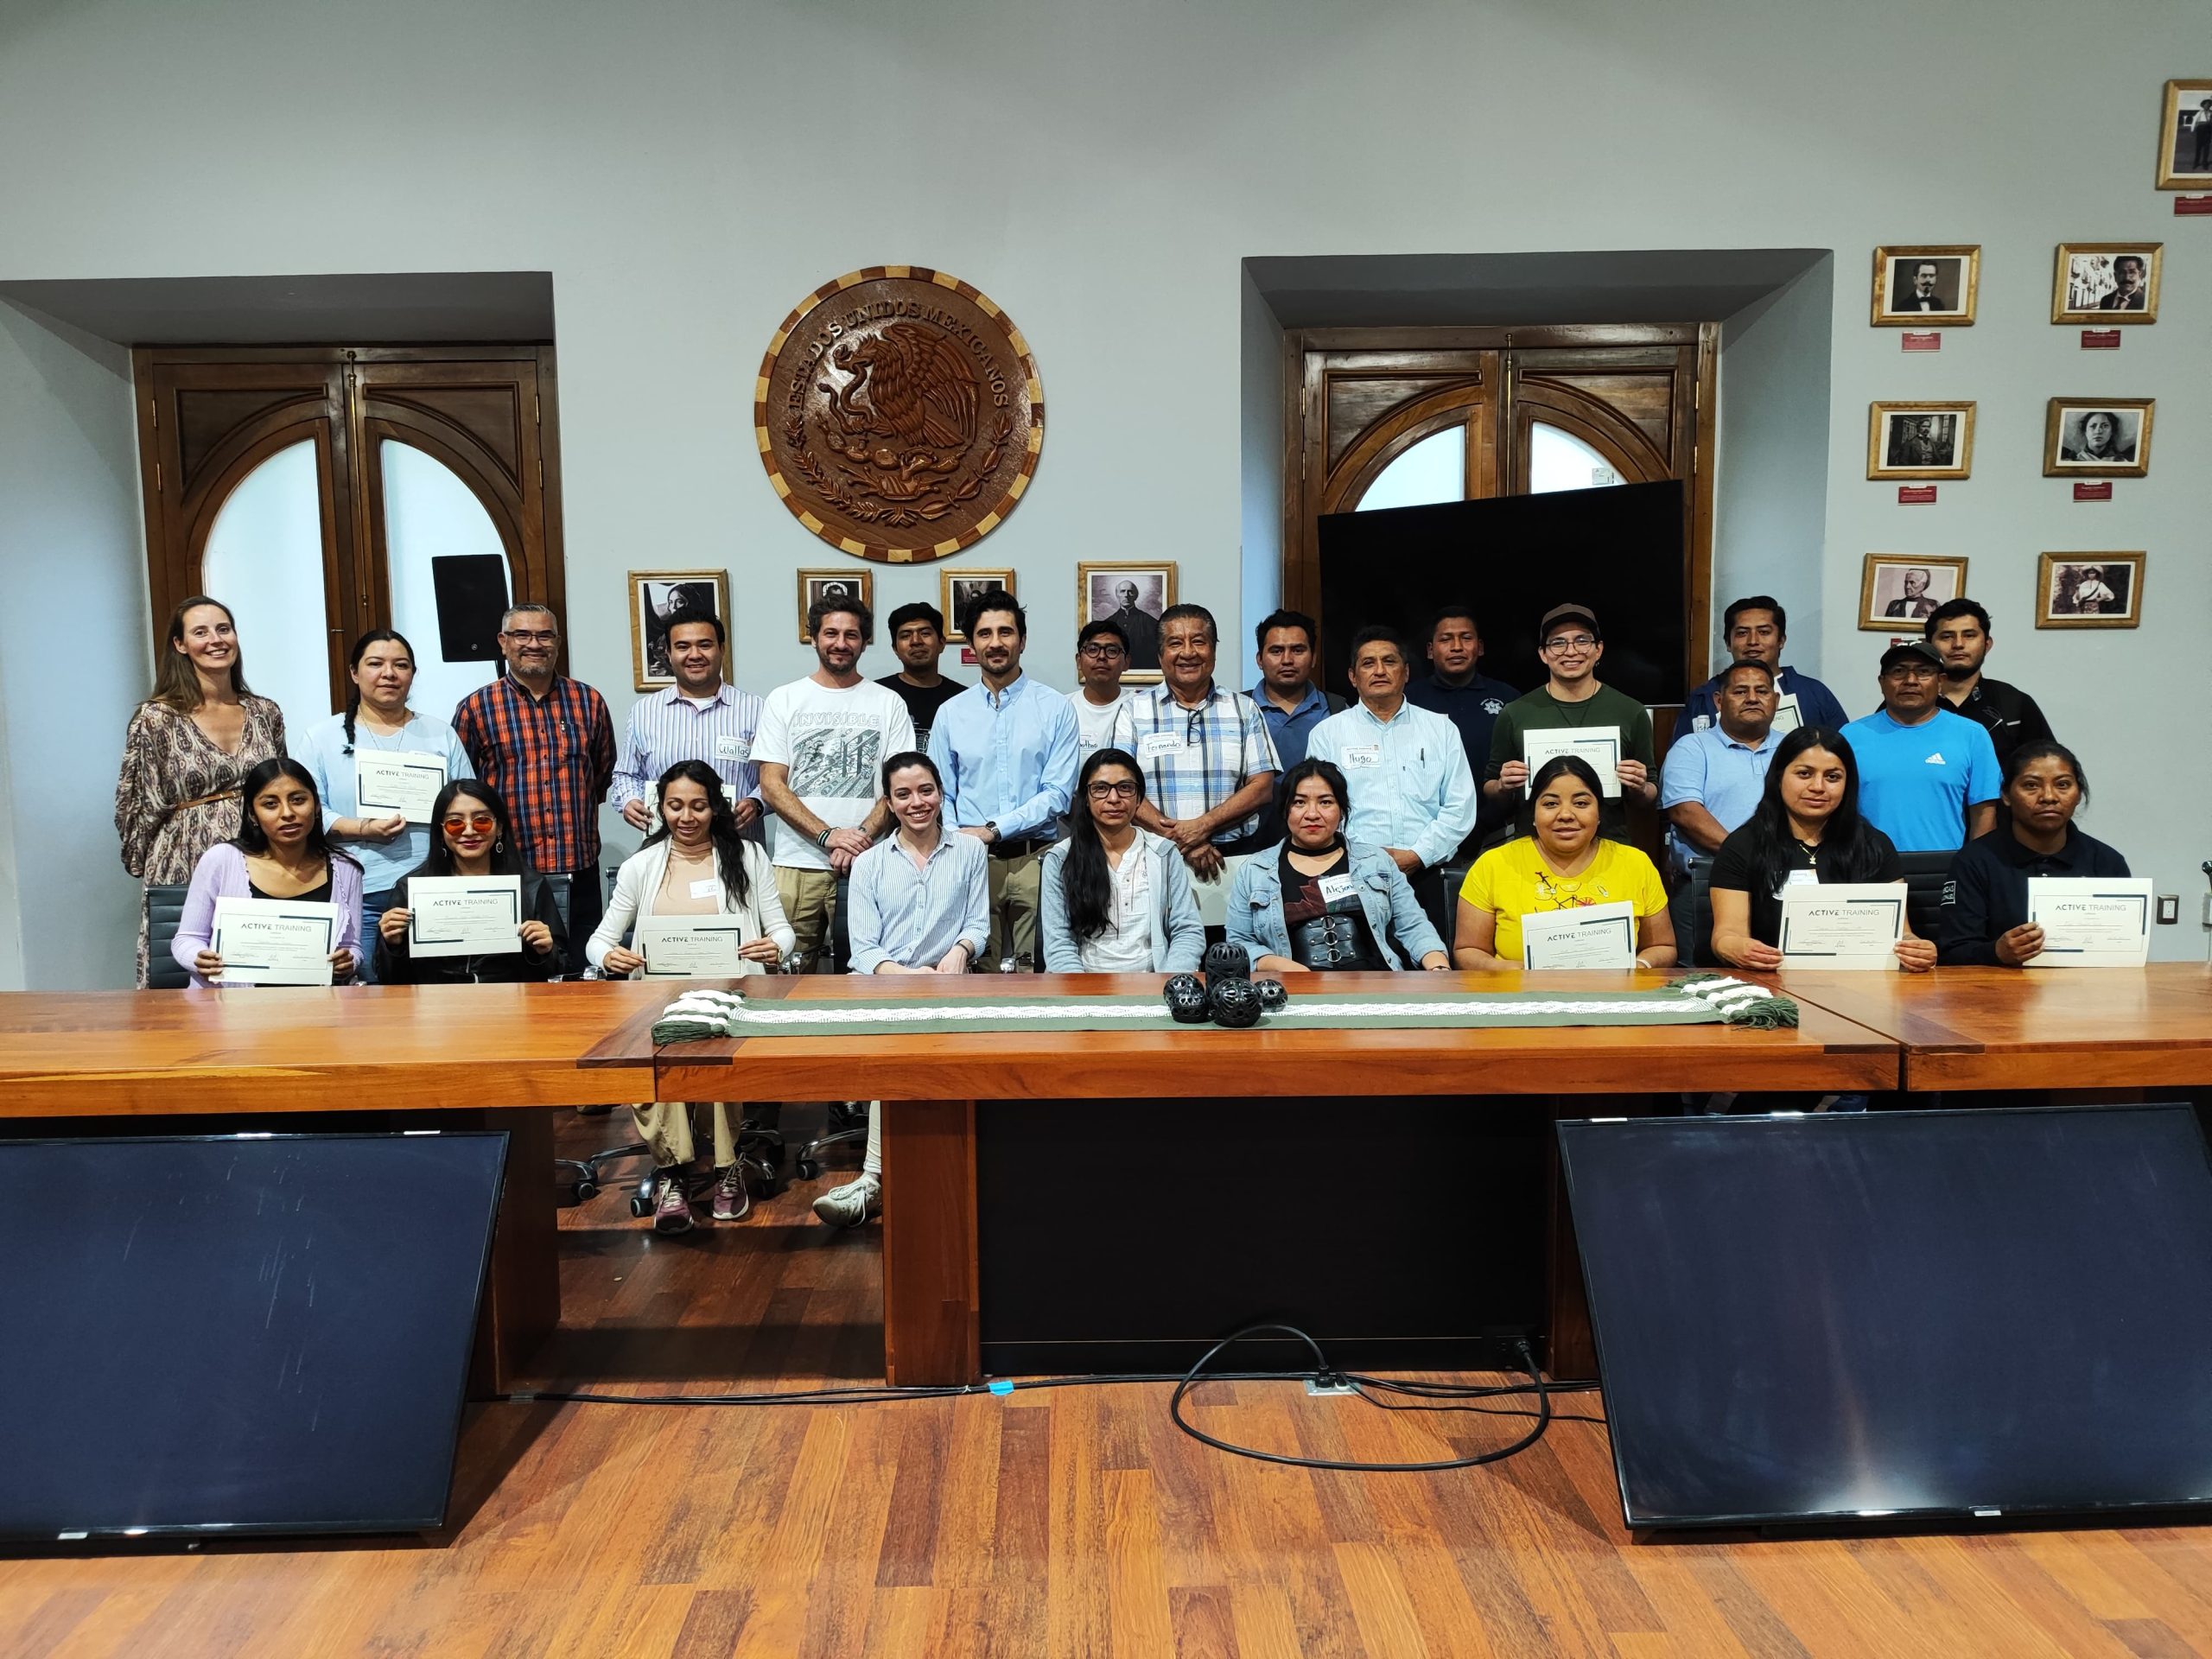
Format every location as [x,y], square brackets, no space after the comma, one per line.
[899,414]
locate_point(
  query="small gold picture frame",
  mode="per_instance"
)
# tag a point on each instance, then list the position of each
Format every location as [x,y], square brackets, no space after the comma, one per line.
[2097,437]
[1927,287]
[1920,440]
[1132,593]
[958,590]
[2107,282]
[2089,590]
[2185,136]
[658,601]
[1897,591]
[845,583]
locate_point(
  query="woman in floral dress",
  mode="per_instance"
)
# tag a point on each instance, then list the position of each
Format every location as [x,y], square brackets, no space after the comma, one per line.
[188,752]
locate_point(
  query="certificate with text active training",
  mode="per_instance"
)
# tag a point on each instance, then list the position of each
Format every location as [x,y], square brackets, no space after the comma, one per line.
[1841,923]
[691,947]
[464,915]
[406,781]
[1596,936]
[2087,923]
[1600,745]
[275,941]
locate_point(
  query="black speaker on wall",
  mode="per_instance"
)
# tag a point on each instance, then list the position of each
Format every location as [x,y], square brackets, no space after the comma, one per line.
[238,1335]
[1961,1315]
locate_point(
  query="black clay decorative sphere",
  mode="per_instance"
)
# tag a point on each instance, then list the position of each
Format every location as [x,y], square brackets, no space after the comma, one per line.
[1234,1001]
[1226,960]
[1186,999]
[1272,994]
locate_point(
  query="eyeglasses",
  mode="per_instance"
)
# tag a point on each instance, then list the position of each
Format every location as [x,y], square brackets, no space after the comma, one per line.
[533,637]
[457,822]
[1570,642]
[1125,791]
[1101,653]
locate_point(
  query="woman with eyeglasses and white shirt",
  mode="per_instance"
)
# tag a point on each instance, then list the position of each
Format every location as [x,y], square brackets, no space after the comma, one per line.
[1117,899]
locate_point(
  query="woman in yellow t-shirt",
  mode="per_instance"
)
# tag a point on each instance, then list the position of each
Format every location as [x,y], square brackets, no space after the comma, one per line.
[1565,865]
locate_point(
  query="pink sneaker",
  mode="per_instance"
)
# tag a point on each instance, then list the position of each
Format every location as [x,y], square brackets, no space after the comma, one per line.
[732,1201]
[672,1210]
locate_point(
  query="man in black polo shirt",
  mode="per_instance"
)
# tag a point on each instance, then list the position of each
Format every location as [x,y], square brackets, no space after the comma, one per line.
[1959,630]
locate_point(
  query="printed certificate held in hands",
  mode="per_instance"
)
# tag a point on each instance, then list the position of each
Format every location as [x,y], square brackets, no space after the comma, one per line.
[464,915]
[275,941]
[2089,922]
[406,781]
[691,947]
[1600,745]
[1841,923]
[1596,936]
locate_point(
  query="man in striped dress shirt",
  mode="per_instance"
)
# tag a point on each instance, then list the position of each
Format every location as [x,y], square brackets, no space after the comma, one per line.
[547,744]
[701,717]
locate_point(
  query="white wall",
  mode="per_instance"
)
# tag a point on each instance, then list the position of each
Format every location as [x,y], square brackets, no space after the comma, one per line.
[687,172]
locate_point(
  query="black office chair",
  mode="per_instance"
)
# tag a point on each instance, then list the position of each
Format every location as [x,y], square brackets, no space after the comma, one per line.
[164,909]
[1690,908]
[1927,888]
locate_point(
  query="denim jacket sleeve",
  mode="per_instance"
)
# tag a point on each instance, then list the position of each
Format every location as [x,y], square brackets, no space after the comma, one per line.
[1384,887]
[1186,934]
[1252,915]
[1062,955]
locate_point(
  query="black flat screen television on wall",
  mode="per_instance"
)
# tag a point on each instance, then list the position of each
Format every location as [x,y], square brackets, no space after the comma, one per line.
[1619,550]
[238,1335]
[1831,1319]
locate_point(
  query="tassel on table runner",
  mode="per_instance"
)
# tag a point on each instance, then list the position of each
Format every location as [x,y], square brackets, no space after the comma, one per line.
[1741,1003]
[696,1014]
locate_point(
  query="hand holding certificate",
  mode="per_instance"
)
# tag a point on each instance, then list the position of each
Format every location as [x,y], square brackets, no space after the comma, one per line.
[275,941]
[695,947]
[464,915]
[1841,923]
[1598,745]
[1595,936]
[404,781]
[2087,923]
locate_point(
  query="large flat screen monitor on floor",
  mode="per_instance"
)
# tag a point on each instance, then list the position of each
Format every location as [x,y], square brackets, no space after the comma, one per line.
[237,1335]
[1900,1314]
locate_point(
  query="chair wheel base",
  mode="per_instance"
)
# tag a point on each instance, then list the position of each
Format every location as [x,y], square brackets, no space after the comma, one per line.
[808,1170]
[639,1207]
[584,1192]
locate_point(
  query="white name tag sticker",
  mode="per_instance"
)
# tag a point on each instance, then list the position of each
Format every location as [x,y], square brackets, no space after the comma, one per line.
[1802,878]
[1156,744]
[710,889]
[735,750]
[1363,759]
[1334,888]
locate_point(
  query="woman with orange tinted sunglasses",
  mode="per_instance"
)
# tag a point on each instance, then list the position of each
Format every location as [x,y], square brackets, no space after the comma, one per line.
[469,837]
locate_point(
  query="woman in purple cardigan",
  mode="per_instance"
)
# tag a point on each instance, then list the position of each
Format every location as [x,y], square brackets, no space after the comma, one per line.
[279,852]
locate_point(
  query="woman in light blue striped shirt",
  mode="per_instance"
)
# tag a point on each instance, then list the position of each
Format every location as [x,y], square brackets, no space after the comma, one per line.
[377,717]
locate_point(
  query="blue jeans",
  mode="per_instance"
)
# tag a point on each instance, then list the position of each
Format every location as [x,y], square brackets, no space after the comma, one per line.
[373,906]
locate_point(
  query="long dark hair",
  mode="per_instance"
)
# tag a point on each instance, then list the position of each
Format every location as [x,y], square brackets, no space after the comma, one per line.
[506,857]
[1286,789]
[722,820]
[1086,879]
[177,682]
[1851,847]
[252,839]
[374,637]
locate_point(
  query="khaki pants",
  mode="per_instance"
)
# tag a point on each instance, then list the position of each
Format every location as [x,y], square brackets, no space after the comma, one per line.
[1015,885]
[810,901]
[666,1126]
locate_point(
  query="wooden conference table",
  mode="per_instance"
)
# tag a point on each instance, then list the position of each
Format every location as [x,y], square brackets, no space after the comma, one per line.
[494,1055]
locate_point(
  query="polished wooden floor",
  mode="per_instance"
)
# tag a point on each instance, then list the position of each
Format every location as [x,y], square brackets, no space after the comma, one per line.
[1072,1521]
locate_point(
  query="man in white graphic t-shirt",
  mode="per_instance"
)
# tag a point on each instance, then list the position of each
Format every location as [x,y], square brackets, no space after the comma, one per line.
[821,748]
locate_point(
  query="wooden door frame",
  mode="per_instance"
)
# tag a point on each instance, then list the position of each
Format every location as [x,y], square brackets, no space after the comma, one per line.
[1300,571]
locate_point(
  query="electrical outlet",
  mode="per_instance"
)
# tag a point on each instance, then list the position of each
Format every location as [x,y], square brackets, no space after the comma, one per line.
[2169,909]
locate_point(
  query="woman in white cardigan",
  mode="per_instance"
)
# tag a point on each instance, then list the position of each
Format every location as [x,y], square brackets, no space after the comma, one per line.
[695,864]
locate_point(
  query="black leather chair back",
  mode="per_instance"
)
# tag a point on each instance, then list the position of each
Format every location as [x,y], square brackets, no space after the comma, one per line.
[164,909]
[1927,883]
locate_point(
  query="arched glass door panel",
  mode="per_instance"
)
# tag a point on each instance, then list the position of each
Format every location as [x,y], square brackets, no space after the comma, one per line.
[1560,461]
[1433,470]
[263,559]
[440,541]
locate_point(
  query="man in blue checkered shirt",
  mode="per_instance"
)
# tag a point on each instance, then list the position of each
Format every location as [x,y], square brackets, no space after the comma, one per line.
[1209,765]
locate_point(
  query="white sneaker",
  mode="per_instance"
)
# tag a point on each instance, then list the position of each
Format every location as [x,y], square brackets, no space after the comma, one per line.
[852,1204]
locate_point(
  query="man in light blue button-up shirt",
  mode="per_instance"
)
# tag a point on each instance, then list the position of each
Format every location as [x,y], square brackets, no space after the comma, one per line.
[1413,793]
[1007,748]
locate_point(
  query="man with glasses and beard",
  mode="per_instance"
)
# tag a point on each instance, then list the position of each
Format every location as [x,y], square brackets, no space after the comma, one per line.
[1571,646]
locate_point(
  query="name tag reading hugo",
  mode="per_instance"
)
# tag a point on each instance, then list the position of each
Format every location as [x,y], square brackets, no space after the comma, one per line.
[1365,759]
[1598,745]
[2090,924]
[1156,744]
[1841,923]
[1595,936]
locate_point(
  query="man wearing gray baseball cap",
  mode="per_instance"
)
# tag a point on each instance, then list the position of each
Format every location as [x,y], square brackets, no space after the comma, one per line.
[1573,712]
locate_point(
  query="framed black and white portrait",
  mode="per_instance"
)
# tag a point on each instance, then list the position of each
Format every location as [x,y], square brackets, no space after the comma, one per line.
[658,601]
[1133,596]
[2185,136]
[1920,440]
[2097,437]
[815,585]
[1927,287]
[1899,591]
[2106,282]
[958,590]
[2089,590]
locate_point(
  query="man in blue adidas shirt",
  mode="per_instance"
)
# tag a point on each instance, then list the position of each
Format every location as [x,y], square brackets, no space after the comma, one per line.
[1928,778]
[1755,630]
